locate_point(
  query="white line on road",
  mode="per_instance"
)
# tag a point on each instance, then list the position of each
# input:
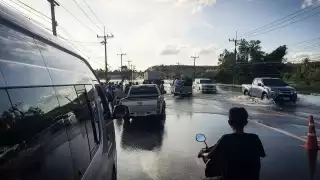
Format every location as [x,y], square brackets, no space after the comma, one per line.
[282,131]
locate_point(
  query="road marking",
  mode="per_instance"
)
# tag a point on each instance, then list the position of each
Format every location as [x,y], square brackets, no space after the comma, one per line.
[282,115]
[282,131]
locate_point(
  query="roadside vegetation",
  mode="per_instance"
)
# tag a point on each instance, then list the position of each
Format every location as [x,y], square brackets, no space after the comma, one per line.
[252,62]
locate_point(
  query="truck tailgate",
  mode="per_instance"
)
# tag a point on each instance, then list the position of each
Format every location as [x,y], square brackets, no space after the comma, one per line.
[141,104]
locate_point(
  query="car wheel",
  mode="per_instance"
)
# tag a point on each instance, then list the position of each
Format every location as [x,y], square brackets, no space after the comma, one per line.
[264,96]
[246,93]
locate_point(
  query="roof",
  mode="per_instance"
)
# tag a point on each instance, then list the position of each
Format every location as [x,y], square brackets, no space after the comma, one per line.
[16,19]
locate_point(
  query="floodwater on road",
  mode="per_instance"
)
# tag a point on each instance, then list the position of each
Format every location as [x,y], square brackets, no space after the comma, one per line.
[151,148]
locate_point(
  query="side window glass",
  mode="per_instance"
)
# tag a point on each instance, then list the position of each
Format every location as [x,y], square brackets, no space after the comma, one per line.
[75,113]
[35,131]
[93,127]
[33,109]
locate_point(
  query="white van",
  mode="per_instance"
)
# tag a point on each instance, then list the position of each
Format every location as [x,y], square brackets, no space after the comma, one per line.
[204,85]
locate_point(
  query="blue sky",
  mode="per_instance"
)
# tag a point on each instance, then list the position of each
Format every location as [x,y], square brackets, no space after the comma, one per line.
[154,32]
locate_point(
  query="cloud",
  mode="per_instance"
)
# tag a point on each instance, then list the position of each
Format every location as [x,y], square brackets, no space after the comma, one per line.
[210,49]
[170,50]
[307,3]
[208,25]
[301,55]
[197,5]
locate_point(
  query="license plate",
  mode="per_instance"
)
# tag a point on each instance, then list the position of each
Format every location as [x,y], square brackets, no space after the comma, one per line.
[286,98]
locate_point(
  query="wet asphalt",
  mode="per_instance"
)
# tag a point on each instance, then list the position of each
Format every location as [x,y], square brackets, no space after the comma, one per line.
[152,148]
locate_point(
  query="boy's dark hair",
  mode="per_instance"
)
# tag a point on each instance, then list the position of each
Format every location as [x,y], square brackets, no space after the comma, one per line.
[238,117]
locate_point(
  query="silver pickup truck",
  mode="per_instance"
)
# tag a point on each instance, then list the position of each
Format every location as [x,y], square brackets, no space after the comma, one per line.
[144,100]
[270,88]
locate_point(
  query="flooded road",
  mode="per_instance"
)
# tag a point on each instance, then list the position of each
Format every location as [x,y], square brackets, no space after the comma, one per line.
[151,148]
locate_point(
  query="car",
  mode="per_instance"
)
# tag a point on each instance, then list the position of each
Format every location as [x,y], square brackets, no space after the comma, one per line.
[144,100]
[184,89]
[55,121]
[204,85]
[270,88]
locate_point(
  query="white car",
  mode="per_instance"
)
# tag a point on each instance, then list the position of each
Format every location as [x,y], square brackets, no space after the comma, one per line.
[144,100]
[204,85]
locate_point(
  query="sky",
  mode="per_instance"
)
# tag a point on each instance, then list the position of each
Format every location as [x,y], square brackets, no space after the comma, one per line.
[154,32]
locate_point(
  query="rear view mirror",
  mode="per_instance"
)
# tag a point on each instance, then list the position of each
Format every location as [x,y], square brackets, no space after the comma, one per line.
[200,137]
[120,111]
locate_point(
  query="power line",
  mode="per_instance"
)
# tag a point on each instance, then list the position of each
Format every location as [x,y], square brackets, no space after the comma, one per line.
[305,41]
[39,24]
[78,19]
[281,19]
[26,5]
[85,13]
[284,25]
[92,11]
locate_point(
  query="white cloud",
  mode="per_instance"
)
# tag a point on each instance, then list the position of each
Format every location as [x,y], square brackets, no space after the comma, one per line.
[307,3]
[210,49]
[197,5]
[170,50]
[141,28]
[208,25]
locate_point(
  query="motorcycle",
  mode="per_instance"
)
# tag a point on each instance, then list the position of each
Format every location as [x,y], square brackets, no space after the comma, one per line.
[213,169]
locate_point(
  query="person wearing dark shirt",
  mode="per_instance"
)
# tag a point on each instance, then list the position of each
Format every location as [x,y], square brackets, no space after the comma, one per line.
[238,152]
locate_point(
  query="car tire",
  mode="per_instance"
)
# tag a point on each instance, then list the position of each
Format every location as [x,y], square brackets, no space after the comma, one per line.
[264,96]
[246,93]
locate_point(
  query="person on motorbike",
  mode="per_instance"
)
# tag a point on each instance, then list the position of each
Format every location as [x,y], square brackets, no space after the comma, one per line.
[238,153]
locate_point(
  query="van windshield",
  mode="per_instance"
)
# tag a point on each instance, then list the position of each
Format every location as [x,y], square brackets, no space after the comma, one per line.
[206,81]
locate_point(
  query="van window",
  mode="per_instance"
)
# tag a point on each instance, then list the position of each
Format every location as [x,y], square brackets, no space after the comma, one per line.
[76,116]
[33,109]
[37,131]
[6,122]
[94,133]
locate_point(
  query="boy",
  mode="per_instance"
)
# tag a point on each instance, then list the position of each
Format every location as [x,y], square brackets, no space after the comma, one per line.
[239,152]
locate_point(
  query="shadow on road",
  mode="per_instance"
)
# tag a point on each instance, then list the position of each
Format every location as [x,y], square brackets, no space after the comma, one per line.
[143,133]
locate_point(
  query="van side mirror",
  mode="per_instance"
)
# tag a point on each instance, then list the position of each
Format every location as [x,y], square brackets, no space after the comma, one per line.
[120,111]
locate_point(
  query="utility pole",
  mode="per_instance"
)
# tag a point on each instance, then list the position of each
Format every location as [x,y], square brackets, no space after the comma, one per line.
[53,16]
[104,42]
[235,56]
[194,65]
[129,67]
